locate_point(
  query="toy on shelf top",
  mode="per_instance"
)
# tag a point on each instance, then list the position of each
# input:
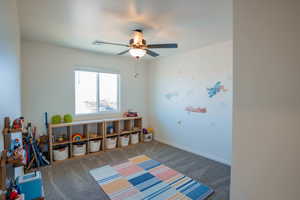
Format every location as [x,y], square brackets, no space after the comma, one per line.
[17,125]
[57,119]
[130,114]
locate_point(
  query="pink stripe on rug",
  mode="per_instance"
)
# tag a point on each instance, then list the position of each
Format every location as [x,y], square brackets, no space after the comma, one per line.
[163,173]
[128,170]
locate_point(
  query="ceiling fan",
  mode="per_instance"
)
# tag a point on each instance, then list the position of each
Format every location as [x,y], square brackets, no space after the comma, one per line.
[138,46]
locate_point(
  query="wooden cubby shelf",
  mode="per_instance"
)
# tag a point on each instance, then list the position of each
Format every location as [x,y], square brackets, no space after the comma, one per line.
[92,130]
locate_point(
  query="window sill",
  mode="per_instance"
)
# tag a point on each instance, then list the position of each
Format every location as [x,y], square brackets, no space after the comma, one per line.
[104,113]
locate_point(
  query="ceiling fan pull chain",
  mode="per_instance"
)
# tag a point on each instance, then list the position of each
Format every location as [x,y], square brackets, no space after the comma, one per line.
[136,74]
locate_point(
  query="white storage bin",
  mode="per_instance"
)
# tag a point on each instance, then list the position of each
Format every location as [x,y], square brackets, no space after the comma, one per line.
[61,154]
[134,138]
[148,137]
[124,140]
[111,142]
[94,145]
[79,149]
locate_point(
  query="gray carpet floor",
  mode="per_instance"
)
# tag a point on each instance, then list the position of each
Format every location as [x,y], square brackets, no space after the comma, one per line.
[70,180]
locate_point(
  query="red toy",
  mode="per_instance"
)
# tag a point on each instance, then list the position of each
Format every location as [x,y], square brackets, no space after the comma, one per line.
[14,195]
[130,114]
[17,123]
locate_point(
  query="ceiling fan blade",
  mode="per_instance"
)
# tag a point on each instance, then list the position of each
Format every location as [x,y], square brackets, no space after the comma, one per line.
[123,52]
[111,43]
[151,53]
[156,46]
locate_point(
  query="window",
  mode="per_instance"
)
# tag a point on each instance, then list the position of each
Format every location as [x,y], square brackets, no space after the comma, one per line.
[96,92]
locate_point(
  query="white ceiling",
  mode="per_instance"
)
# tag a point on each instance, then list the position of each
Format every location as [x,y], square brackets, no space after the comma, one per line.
[77,23]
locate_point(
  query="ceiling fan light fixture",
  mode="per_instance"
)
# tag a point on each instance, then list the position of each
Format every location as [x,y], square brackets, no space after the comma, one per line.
[137,53]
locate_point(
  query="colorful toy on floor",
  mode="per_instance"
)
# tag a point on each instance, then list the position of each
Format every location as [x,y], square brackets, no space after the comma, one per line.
[148,134]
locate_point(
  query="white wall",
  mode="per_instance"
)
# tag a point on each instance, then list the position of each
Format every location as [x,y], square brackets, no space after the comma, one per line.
[187,76]
[266,136]
[10,103]
[48,80]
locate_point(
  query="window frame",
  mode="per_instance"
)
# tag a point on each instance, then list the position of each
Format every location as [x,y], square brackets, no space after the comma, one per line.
[99,71]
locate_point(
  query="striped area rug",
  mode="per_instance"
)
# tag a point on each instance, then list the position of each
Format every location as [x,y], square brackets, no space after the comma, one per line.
[142,178]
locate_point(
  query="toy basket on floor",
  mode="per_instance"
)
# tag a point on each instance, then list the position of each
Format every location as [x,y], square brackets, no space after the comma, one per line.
[94,145]
[134,138]
[79,149]
[61,153]
[124,140]
[148,137]
[111,143]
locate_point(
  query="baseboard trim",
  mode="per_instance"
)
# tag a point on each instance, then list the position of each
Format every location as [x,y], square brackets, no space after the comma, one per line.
[208,156]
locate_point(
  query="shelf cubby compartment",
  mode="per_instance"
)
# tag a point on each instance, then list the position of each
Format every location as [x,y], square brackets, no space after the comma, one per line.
[137,124]
[61,135]
[95,130]
[78,129]
[125,126]
[81,130]
[112,127]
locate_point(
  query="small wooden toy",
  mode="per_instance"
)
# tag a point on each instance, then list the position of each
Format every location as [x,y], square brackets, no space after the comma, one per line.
[60,139]
[93,135]
[77,137]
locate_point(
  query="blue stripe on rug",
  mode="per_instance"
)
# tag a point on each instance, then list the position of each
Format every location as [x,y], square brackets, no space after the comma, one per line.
[144,177]
[200,192]
[108,178]
[151,196]
[181,186]
[153,184]
[177,180]
[149,164]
